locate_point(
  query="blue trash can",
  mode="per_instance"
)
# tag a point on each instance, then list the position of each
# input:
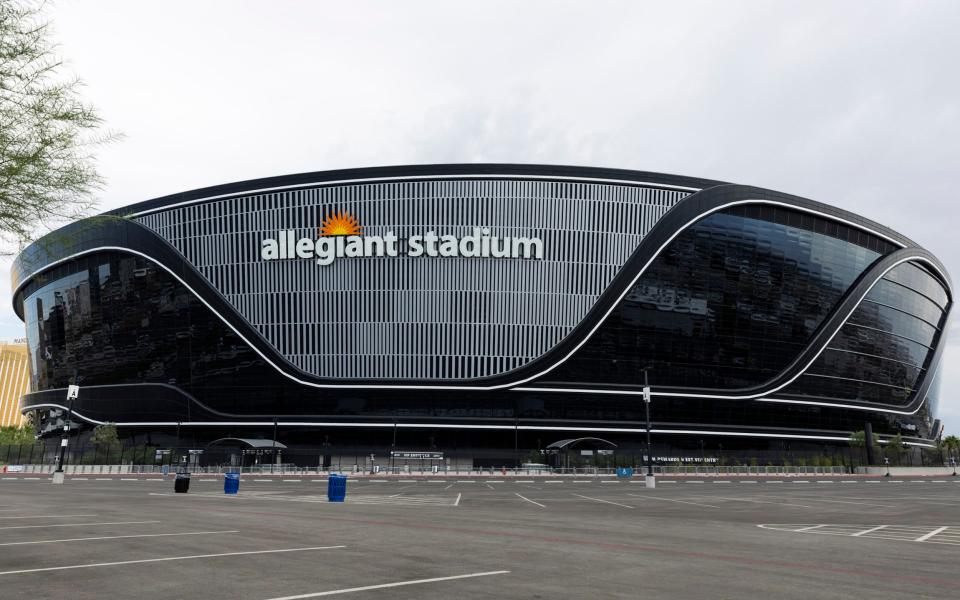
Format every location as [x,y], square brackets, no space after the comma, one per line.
[624,472]
[336,488]
[231,482]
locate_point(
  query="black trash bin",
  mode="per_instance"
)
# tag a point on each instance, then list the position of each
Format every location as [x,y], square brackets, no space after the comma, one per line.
[182,483]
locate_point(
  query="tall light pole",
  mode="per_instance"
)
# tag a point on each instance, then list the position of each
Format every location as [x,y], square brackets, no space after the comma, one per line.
[73,391]
[650,480]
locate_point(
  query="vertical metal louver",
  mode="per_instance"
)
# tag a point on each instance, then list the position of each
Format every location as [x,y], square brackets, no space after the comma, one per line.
[418,318]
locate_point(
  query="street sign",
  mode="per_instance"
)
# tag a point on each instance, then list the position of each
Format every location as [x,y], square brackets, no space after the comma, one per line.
[195,451]
[646,393]
[72,392]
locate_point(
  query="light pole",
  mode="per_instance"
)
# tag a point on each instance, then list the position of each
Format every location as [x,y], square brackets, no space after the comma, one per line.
[651,481]
[73,391]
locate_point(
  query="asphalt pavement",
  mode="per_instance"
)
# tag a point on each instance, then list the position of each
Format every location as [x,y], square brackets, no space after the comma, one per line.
[480,538]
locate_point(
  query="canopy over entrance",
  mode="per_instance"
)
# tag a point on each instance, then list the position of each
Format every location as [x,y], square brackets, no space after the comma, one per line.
[247,442]
[586,441]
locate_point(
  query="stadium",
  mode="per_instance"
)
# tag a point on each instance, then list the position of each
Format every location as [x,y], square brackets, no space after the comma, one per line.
[484,314]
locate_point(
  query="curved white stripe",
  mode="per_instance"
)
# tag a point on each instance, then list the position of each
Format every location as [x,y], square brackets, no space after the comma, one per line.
[480,427]
[409,177]
[748,396]
[563,359]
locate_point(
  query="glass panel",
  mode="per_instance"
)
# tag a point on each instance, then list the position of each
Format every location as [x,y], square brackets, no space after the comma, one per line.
[897,296]
[839,363]
[887,334]
[728,304]
[919,279]
[879,343]
[847,389]
[884,318]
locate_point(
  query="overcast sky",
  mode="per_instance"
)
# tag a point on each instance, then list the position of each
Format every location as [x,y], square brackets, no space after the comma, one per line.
[856,104]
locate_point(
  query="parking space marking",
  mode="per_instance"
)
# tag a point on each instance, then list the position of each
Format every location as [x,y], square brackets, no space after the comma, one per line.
[77,524]
[530,501]
[603,501]
[671,500]
[756,501]
[901,533]
[848,502]
[927,536]
[166,559]
[489,486]
[449,486]
[47,517]
[871,530]
[117,537]
[381,586]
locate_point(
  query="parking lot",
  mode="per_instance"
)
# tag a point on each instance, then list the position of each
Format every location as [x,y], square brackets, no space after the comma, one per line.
[480,538]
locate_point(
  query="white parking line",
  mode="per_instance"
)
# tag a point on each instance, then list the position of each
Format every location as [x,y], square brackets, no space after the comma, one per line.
[78,479]
[746,482]
[449,486]
[609,481]
[291,480]
[554,481]
[48,517]
[389,585]
[263,480]
[530,501]
[756,501]
[926,537]
[465,481]
[117,537]
[811,528]
[669,500]
[129,479]
[871,530]
[166,559]
[846,502]
[77,524]
[604,501]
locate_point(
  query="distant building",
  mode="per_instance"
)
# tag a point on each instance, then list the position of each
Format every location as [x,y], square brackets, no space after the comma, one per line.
[14,382]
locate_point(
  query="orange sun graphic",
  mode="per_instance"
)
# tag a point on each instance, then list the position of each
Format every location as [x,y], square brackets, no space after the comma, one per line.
[341,223]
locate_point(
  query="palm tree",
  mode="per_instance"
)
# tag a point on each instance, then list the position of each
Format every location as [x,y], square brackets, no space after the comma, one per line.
[858,439]
[952,444]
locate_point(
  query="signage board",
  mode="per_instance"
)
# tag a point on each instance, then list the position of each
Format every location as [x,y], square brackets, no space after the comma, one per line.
[72,392]
[416,455]
[341,236]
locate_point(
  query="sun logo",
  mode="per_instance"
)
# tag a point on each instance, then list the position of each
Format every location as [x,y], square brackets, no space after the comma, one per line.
[340,223]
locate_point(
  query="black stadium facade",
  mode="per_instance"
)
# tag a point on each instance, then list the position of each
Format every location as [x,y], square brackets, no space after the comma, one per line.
[486,311]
